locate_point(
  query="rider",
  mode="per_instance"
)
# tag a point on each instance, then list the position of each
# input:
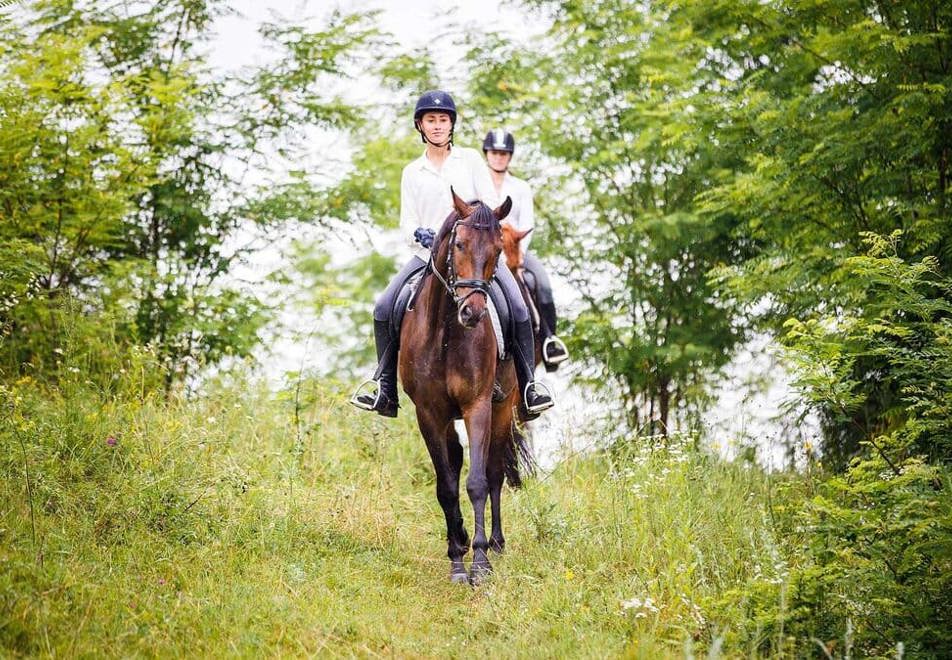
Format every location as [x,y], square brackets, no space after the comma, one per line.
[498,148]
[425,202]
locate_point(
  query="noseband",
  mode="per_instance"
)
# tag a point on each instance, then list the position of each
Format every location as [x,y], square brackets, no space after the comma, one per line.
[451,283]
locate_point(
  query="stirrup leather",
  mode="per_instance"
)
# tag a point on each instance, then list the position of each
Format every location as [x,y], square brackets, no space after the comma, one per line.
[360,404]
[558,359]
[538,385]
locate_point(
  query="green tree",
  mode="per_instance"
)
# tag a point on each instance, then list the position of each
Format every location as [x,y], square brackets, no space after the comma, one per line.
[839,113]
[616,105]
[128,158]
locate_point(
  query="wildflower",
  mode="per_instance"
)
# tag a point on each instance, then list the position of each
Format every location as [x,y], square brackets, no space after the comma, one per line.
[111,441]
[569,574]
[631,604]
[642,607]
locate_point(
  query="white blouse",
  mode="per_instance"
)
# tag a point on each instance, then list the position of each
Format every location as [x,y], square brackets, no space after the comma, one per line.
[522,215]
[425,198]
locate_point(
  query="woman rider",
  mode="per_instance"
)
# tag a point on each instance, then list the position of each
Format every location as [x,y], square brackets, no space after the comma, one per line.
[425,202]
[498,146]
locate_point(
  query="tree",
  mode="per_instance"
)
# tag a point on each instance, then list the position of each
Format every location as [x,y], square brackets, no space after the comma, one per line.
[840,113]
[136,158]
[618,102]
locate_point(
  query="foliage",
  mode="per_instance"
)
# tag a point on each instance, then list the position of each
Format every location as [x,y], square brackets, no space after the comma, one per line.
[880,537]
[900,340]
[616,100]
[124,167]
[838,114]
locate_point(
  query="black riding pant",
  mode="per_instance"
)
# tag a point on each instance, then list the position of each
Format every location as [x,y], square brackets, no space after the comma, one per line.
[543,285]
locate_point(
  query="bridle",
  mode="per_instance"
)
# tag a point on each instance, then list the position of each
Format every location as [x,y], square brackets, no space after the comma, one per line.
[451,283]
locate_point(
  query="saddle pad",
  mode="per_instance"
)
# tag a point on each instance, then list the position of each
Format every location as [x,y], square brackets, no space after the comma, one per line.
[497,328]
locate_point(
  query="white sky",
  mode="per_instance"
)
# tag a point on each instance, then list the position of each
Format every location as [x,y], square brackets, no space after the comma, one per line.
[413,23]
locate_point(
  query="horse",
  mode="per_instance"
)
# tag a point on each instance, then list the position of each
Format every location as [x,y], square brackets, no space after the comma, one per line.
[449,368]
[515,261]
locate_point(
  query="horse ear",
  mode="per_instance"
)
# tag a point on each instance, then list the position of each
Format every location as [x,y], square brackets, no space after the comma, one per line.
[522,234]
[503,209]
[462,208]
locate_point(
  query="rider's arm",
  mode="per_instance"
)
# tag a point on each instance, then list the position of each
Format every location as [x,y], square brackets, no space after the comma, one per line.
[482,180]
[410,205]
[409,220]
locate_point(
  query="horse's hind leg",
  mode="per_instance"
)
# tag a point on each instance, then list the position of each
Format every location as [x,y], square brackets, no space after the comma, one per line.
[495,473]
[454,452]
[447,456]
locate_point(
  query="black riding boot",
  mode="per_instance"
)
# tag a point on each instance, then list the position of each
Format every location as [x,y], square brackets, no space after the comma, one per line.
[553,350]
[384,401]
[533,402]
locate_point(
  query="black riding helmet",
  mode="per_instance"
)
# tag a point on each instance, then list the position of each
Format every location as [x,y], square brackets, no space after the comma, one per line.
[499,139]
[434,101]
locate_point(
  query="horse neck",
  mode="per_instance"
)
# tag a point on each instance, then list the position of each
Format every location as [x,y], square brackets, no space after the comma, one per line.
[435,300]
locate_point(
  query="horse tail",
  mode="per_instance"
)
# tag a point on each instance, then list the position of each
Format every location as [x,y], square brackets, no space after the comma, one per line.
[520,458]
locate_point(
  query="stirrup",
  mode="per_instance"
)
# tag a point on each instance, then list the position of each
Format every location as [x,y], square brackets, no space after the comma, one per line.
[360,404]
[558,359]
[537,384]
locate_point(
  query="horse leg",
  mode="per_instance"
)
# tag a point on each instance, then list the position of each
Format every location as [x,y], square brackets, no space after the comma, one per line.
[496,472]
[478,421]
[454,452]
[447,456]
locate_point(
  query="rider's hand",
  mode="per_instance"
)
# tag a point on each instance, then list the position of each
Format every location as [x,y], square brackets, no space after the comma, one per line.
[424,236]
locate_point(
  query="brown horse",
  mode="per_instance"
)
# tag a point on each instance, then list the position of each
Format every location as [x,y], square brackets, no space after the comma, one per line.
[514,259]
[449,366]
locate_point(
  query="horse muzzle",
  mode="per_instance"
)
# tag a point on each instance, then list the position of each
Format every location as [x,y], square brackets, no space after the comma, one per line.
[468,317]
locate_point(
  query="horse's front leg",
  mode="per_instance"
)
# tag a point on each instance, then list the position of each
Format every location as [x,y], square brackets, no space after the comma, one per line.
[445,451]
[478,422]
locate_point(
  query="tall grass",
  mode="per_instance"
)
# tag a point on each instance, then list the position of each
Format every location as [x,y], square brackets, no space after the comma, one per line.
[230,525]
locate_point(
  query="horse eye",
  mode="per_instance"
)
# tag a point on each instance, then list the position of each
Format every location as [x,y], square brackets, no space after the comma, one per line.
[459,245]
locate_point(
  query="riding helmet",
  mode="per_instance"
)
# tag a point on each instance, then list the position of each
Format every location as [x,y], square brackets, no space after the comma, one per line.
[435,101]
[499,139]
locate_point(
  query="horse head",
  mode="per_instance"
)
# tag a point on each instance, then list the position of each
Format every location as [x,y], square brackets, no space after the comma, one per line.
[469,244]
[511,237]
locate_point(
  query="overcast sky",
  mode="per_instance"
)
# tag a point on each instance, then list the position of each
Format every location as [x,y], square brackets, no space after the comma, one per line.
[413,23]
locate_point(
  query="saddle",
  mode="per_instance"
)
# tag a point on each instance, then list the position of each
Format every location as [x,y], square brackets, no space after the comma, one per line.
[499,312]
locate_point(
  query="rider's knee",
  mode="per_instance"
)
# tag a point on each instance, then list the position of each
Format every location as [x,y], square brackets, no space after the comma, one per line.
[382,308]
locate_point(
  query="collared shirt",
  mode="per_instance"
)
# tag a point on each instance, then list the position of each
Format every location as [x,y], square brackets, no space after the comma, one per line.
[425,198]
[522,215]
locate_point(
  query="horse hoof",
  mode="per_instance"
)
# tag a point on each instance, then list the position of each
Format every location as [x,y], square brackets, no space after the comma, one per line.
[498,548]
[480,573]
[459,578]
[478,577]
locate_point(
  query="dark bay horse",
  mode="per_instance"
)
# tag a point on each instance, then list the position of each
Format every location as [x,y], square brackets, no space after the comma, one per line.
[449,365]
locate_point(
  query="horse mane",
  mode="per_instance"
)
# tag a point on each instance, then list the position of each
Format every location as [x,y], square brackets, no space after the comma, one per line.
[481,218]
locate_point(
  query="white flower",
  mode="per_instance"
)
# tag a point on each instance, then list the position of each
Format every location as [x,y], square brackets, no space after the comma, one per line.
[630,604]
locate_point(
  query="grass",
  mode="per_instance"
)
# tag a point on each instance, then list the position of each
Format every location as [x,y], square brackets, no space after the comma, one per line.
[227,526]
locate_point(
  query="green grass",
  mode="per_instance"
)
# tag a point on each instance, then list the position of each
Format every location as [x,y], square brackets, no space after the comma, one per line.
[222,527]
